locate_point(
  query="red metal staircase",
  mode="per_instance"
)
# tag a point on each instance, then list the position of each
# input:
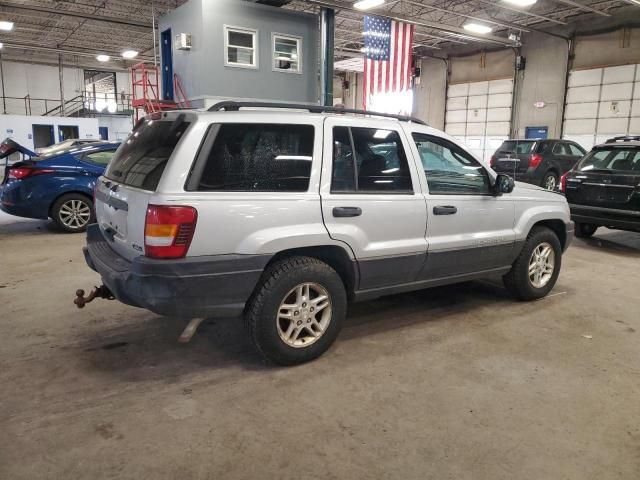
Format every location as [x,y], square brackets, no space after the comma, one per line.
[145,91]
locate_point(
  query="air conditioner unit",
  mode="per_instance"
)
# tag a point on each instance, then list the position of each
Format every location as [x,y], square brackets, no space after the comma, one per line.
[183,41]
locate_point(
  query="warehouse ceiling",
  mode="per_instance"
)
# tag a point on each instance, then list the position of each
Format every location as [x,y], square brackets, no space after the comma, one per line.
[81,29]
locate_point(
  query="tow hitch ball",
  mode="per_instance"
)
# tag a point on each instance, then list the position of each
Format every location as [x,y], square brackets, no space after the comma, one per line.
[97,292]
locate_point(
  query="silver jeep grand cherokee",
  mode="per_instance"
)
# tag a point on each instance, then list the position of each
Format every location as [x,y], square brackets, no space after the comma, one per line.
[284,214]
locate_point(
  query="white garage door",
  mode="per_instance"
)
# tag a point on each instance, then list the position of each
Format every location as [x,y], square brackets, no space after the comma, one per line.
[479,114]
[602,103]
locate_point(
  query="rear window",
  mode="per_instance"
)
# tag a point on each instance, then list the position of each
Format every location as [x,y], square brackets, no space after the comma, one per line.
[614,159]
[517,147]
[141,159]
[250,157]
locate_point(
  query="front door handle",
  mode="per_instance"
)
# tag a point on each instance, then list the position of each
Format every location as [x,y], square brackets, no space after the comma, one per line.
[347,211]
[444,210]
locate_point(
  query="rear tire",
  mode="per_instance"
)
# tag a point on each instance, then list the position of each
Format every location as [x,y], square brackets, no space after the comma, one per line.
[585,230]
[73,212]
[550,181]
[535,272]
[296,311]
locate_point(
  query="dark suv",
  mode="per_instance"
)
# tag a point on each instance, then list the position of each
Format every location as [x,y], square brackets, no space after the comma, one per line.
[541,162]
[603,190]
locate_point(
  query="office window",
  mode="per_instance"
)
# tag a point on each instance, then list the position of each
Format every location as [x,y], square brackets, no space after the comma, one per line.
[240,47]
[287,53]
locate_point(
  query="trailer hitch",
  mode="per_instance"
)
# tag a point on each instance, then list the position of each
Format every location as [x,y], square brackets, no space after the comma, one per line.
[97,292]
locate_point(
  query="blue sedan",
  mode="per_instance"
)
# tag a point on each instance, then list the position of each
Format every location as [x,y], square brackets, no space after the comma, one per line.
[58,185]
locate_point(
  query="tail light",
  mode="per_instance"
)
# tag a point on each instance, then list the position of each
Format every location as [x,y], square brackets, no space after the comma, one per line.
[493,161]
[535,160]
[563,182]
[168,231]
[18,173]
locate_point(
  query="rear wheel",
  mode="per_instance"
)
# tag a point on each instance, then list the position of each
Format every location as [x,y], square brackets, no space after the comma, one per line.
[296,311]
[585,230]
[536,270]
[73,212]
[550,181]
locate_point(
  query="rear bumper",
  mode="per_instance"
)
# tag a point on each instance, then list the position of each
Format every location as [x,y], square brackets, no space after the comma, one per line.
[606,217]
[13,202]
[216,285]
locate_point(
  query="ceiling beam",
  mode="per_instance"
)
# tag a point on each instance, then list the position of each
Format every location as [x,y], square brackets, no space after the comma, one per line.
[420,34]
[69,51]
[523,12]
[422,23]
[583,7]
[75,14]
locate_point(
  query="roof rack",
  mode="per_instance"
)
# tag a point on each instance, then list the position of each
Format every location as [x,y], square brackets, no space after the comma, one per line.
[624,138]
[231,106]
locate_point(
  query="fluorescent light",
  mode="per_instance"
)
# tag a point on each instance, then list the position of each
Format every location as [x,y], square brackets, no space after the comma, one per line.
[1,45]
[477,28]
[129,54]
[103,58]
[6,26]
[367,4]
[521,3]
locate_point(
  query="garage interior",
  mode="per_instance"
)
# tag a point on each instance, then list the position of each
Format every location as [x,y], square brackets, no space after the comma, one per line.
[457,382]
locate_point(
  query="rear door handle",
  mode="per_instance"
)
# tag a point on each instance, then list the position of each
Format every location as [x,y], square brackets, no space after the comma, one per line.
[347,211]
[444,210]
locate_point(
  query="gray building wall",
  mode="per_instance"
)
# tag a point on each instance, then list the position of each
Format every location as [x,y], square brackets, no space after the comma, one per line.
[202,71]
[430,95]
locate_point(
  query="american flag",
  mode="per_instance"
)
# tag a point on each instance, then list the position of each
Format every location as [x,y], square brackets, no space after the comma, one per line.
[387,64]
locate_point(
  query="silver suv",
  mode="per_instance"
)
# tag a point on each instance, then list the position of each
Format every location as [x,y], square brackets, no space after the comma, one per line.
[286,213]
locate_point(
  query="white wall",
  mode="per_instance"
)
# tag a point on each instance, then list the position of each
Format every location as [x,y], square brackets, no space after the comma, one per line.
[20,127]
[119,127]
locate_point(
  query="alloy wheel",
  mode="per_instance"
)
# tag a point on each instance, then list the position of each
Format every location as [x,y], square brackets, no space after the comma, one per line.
[550,183]
[74,214]
[304,315]
[542,264]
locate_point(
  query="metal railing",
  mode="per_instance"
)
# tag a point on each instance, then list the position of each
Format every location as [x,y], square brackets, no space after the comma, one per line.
[83,105]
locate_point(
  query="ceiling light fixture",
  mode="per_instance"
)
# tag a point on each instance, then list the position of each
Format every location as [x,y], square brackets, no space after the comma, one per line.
[6,26]
[129,54]
[521,3]
[1,45]
[367,4]
[477,28]
[103,58]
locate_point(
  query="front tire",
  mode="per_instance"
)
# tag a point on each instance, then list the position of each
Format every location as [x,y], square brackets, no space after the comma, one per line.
[550,181]
[296,311]
[535,272]
[73,212]
[585,230]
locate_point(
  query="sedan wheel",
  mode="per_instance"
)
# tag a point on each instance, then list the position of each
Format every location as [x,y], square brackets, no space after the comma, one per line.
[75,214]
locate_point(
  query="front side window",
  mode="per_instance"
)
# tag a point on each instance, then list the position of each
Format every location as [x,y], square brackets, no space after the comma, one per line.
[561,149]
[287,53]
[449,169]
[249,157]
[240,47]
[617,159]
[99,158]
[369,160]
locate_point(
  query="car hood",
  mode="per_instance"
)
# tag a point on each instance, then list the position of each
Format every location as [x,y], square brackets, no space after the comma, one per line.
[9,146]
[527,190]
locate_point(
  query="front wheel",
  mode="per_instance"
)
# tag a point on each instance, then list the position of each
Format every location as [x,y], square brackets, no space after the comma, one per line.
[296,312]
[535,272]
[585,230]
[550,181]
[73,212]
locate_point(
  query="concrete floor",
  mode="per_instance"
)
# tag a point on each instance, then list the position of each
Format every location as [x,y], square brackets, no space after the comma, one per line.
[451,383]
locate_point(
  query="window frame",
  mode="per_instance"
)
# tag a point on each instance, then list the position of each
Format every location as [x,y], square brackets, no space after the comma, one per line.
[445,143]
[356,190]
[255,34]
[299,47]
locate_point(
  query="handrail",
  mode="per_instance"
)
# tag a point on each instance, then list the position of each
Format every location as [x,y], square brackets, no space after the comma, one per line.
[85,102]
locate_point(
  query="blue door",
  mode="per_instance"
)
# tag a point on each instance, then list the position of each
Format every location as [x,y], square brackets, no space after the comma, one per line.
[167,64]
[104,133]
[536,133]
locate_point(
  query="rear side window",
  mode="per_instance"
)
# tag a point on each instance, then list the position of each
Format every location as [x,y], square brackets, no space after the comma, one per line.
[141,159]
[248,157]
[561,149]
[369,160]
[101,159]
[575,151]
[615,159]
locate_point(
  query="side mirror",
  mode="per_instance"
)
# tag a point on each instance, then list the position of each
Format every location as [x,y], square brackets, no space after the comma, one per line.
[504,184]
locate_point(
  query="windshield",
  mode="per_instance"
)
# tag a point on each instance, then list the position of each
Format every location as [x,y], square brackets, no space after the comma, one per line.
[517,146]
[614,159]
[141,159]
